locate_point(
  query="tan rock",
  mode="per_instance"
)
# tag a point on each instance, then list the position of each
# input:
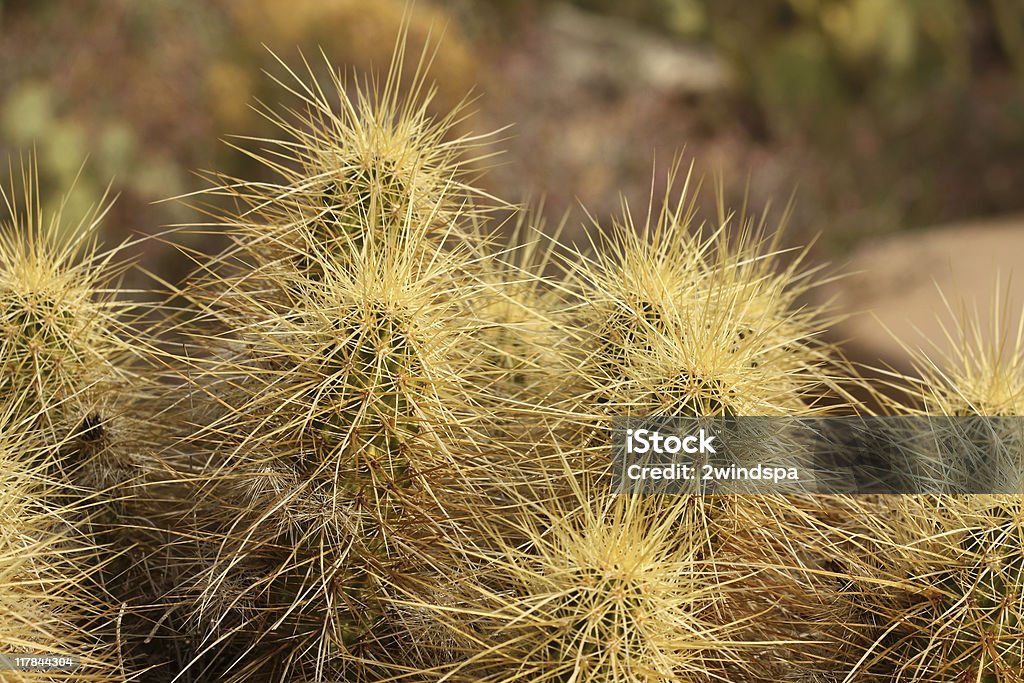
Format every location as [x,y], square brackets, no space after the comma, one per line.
[908,290]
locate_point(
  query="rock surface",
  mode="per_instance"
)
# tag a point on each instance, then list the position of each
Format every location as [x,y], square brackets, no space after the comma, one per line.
[594,48]
[907,291]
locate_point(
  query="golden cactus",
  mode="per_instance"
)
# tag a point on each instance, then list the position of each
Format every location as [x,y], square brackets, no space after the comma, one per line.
[688,322]
[52,597]
[61,330]
[334,362]
[946,598]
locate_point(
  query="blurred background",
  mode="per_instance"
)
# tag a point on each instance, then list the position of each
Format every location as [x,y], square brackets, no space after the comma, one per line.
[899,123]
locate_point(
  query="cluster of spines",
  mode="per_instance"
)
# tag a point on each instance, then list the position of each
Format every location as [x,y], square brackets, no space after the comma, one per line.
[76,432]
[55,557]
[686,319]
[47,591]
[337,363]
[945,589]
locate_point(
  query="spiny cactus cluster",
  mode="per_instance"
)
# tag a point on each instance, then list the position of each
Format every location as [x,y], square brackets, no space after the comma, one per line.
[67,443]
[368,442]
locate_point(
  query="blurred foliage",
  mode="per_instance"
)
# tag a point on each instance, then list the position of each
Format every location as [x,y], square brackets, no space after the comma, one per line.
[920,99]
[805,63]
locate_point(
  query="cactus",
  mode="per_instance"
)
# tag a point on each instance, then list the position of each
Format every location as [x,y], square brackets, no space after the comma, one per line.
[334,364]
[597,587]
[810,592]
[341,425]
[976,387]
[380,449]
[946,597]
[945,588]
[60,329]
[52,597]
[78,397]
[67,344]
[521,307]
[69,347]
[671,320]
[358,160]
[678,323]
